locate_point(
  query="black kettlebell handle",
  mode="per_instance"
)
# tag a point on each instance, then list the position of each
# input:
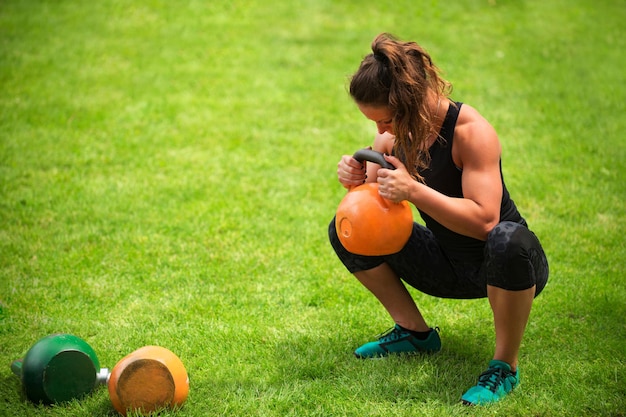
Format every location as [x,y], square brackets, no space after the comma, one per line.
[372,156]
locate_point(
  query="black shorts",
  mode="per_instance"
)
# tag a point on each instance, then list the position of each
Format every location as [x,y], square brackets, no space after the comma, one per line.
[513,260]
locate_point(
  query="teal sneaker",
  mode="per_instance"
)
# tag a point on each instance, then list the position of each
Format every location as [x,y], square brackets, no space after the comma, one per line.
[399,340]
[493,384]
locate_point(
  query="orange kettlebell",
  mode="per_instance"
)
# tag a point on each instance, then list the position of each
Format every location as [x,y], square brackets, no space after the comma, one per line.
[368,224]
[149,379]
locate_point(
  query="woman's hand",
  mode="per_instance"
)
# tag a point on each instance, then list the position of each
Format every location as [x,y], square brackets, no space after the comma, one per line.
[351,172]
[395,184]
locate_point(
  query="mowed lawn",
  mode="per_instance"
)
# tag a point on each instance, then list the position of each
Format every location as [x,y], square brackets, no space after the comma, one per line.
[167,175]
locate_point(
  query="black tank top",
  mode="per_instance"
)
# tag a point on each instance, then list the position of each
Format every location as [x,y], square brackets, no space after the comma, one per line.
[444,176]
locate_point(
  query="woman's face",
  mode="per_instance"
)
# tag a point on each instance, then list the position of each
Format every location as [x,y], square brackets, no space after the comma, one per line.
[382,116]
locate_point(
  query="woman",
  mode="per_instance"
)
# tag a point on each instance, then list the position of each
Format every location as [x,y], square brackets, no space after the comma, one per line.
[475,243]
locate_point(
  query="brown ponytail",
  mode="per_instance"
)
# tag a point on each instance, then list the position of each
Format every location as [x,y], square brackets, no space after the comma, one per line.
[399,75]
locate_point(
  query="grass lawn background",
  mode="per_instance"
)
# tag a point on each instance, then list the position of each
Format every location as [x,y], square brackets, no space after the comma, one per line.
[167,173]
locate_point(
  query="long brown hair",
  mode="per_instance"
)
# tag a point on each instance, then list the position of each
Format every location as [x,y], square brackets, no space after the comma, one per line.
[398,75]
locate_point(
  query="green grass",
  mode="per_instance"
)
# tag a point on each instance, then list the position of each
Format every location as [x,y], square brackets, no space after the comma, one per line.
[167,173]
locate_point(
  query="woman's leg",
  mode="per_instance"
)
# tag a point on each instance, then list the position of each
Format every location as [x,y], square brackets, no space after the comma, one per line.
[516,270]
[410,333]
[511,310]
[379,275]
[385,285]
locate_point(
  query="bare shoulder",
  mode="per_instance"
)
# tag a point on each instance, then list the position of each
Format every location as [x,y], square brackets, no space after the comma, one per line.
[471,125]
[474,137]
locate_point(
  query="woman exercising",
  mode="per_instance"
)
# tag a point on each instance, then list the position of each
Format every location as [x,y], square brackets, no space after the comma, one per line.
[475,243]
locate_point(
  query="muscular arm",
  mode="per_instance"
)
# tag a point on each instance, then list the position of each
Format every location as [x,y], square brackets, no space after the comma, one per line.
[476,150]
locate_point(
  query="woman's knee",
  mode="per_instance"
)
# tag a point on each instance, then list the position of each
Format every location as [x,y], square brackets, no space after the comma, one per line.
[514,258]
[351,261]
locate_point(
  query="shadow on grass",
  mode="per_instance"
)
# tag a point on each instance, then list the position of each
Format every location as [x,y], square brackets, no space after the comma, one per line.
[325,368]
[96,403]
[13,385]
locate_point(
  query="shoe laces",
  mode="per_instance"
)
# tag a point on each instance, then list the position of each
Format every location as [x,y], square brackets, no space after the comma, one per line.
[394,333]
[492,378]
